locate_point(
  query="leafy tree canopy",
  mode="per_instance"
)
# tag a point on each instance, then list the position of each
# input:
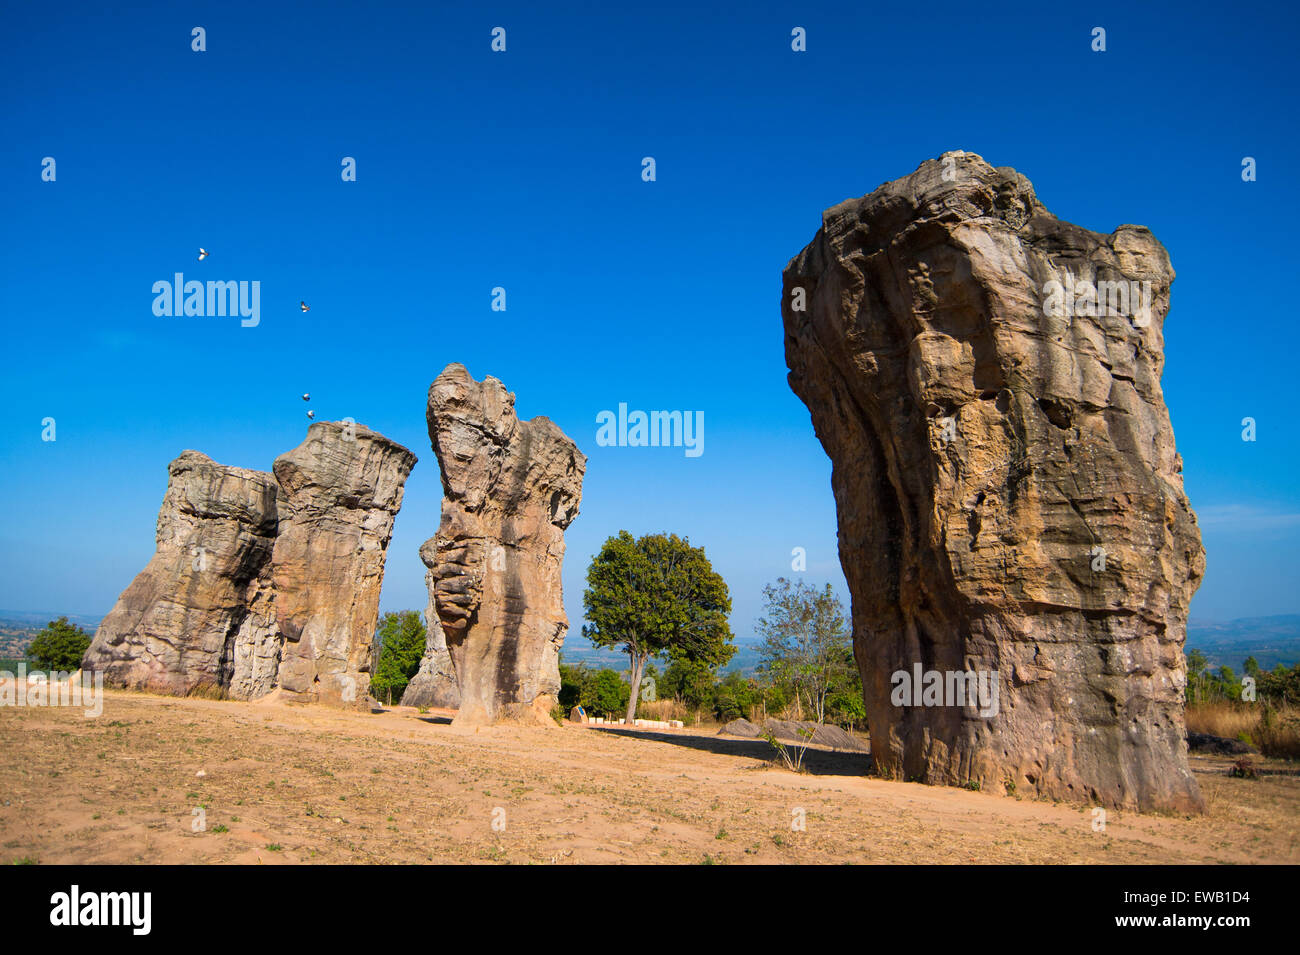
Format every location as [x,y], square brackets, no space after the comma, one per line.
[401,637]
[657,595]
[806,644]
[60,646]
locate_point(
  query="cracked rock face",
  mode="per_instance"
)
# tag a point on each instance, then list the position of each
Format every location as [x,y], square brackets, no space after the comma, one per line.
[986,381]
[263,581]
[341,490]
[510,488]
[175,628]
[434,684]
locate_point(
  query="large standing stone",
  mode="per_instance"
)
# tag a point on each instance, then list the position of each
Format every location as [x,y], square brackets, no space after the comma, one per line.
[341,490]
[175,628]
[262,581]
[510,488]
[1008,493]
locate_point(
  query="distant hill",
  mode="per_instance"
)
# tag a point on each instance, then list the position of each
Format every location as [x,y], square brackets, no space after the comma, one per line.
[1270,640]
[578,650]
[19,627]
[39,618]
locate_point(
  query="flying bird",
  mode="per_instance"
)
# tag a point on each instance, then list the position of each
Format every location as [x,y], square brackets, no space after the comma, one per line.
[312,415]
[306,397]
[304,306]
[203,254]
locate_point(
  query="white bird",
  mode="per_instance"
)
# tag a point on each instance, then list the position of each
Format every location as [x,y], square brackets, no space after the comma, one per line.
[304,306]
[311,414]
[306,397]
[203,254]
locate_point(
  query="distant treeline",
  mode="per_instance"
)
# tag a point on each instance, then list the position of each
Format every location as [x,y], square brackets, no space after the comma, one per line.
[805,670]
[706,695]
[60,645]
[1279,686]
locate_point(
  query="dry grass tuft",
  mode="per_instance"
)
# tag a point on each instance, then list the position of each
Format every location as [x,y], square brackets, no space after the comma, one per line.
[1224,718]
[668,709]
[208,691]
[1275,731]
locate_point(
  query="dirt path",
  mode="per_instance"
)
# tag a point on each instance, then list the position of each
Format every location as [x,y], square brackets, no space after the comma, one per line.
[286,783]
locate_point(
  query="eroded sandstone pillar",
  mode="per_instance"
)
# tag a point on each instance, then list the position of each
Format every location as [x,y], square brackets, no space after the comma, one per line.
[510,488]
[341,490]
[1009,498]
[174,629]
[263,581]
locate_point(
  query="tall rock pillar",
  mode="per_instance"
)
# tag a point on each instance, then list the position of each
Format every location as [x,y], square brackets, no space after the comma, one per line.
[510,488]
[986,381]
[341,491]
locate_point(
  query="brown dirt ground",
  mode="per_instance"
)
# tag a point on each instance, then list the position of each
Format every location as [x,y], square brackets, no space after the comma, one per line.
[292,783]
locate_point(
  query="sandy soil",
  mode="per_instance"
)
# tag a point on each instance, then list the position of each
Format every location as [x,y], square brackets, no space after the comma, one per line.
[284,783]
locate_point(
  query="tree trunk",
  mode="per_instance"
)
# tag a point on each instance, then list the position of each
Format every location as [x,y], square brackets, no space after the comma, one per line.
[638,667]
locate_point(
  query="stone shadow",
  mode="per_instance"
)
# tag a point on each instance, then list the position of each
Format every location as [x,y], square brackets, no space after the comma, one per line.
[818,761]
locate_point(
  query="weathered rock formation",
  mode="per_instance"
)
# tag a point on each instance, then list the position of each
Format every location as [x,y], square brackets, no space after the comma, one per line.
[341,491]
[262,581]
[797,732]
[1008,493]
[510,488]
[434,684]
[174,628]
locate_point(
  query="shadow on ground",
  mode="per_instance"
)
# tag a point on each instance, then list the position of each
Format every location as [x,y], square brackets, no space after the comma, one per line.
[818,762]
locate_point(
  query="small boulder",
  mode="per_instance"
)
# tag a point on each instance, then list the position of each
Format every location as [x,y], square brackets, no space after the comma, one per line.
[1218,745]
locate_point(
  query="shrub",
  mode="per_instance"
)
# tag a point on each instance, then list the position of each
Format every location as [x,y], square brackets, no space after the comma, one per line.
[60,646]
[1274,730]
[401,638]
[605,693]
[572,680]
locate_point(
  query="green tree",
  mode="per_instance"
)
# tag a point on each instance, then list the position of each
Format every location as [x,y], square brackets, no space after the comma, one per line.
[1229,686]
[733,697]
[1196,664]
[572,680]
[60,646]
[1281,685]
[690,682]
[844,700]
[806,642]
[401,638]
[604,692]
[656,594]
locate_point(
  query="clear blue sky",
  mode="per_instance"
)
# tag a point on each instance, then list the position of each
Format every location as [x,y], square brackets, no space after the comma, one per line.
[522,170]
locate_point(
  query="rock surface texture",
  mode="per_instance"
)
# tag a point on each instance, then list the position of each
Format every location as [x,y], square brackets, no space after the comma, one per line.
[174,628]
[341,490]
[1008,493]
[263,581]
[510,488]
[434,684]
